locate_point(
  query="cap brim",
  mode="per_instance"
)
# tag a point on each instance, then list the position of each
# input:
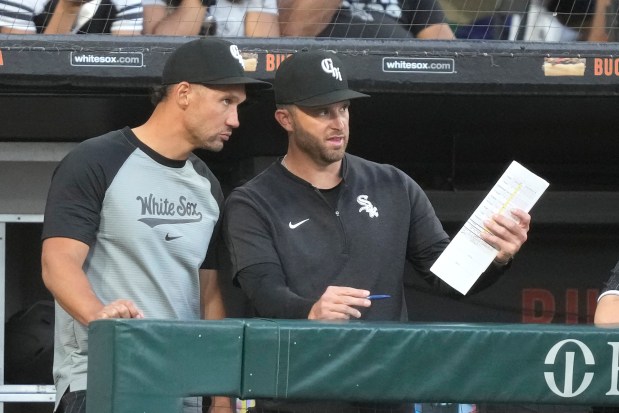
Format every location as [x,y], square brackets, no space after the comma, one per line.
[241,80]
[331,97]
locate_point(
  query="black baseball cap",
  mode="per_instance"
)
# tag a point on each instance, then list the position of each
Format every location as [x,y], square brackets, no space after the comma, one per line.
[312,78]
[208,61]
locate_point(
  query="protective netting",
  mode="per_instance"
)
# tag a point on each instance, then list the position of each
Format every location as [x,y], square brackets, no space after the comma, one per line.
[524,20]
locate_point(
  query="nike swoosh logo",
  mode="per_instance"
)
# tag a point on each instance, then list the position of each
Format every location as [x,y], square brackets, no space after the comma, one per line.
[293,226]
[169,238]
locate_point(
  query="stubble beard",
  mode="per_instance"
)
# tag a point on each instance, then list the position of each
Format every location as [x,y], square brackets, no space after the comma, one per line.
[212,143]
[315,148]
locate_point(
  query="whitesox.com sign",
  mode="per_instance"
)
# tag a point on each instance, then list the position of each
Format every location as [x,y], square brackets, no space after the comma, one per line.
[418,65]
[110,59]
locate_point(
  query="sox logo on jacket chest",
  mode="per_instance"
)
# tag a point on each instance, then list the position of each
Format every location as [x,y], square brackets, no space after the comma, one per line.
[367,206]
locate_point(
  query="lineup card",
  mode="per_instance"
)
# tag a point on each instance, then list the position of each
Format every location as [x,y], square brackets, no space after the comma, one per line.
[467,256]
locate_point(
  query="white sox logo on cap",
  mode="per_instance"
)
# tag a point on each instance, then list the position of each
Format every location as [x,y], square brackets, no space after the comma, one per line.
[327,66]
[234,51]
[311,78]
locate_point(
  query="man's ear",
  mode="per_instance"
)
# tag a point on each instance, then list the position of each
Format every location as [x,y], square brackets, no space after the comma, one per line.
[284,118]
[181,94]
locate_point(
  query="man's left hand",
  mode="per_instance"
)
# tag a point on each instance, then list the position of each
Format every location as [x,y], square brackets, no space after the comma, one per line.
[507,235]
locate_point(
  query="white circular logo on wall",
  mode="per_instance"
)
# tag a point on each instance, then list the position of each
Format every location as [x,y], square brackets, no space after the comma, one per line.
[568,378]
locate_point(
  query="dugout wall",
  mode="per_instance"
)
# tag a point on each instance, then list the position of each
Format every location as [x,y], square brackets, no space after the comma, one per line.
[139,367]
[451,114]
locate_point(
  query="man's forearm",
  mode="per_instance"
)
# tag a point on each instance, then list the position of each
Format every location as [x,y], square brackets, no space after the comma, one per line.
[211,300]
[303,18]
[436,32]
[63,17]
[264,286]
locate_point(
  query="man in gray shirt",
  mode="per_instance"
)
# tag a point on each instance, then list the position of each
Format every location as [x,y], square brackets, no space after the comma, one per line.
[132,216]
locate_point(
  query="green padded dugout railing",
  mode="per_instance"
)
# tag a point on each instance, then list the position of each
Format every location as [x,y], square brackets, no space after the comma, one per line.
[145,366]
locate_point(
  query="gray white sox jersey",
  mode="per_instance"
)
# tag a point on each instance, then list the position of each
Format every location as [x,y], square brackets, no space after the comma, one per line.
[148,221]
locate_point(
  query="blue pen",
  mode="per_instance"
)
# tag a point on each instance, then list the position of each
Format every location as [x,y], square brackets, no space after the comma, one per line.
[378,296]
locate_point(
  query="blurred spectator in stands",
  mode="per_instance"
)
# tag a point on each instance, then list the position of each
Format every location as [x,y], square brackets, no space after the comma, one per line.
[118,17]
[16,17]
[121,17]
[175,17]
[423,19]
[535,20]
[245,18]
[607,310]
[586,17]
